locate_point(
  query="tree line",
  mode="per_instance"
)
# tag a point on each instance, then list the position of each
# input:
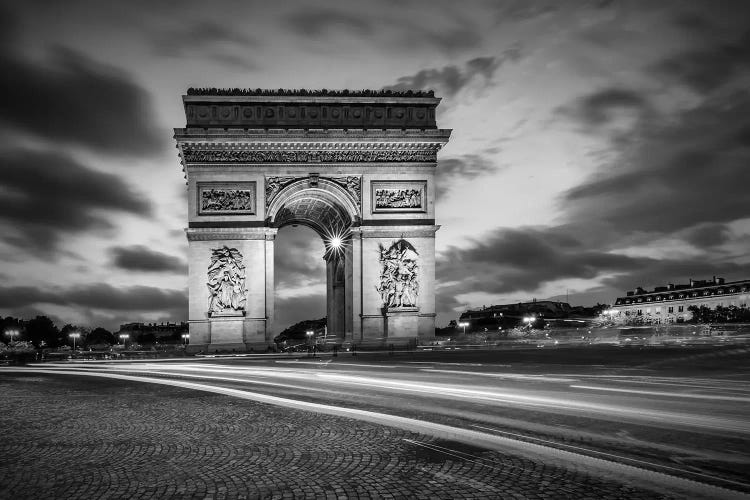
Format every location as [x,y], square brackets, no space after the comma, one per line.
[42,332]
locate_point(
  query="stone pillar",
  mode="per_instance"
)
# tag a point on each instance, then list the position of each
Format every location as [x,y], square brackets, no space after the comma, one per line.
[238,330]
[399,325]
[270,286]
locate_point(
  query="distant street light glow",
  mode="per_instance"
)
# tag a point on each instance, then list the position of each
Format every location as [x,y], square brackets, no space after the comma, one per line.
[11,333]
[464,324]
[74,336]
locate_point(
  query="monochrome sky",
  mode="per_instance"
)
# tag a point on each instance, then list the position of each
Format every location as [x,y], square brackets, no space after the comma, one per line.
[596,146]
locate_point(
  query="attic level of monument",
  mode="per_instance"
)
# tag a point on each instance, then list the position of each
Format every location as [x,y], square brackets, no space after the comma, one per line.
[308,92]
[307,109]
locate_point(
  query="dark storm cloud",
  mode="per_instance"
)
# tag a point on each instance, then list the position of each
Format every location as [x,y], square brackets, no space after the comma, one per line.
[709,66]
[69,98]
[208,40]
[314,23]
[522,259]
[600,107]
[46,196]
[708,235]
[465,167]
[682,170]
[97,296]
[141,258]
[404,30]
[519,261]
[451,79]
[515,11]
[660,272]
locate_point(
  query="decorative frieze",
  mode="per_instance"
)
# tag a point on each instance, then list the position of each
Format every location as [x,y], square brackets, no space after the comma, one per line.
[399,196]
[237,198]
[398,286]
[191,155]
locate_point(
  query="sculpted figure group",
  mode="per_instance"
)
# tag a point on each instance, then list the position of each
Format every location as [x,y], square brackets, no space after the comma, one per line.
[226,281]
[398,285]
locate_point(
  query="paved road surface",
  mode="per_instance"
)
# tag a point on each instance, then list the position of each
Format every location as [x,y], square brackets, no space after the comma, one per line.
[694,427]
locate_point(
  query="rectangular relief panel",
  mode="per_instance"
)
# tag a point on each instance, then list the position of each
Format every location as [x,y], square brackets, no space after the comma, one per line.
[226,198]
[399,196]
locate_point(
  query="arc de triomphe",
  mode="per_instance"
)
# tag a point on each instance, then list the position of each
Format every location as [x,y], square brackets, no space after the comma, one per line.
[356,167]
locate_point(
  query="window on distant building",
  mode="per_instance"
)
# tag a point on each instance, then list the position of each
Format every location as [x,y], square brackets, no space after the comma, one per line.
[680,308]
[640,311]
[670,309]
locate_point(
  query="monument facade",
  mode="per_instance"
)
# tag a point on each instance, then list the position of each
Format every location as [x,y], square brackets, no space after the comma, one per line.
[356,167]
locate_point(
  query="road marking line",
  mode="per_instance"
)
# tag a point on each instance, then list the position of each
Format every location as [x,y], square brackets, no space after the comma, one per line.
[502,375]
[661,393]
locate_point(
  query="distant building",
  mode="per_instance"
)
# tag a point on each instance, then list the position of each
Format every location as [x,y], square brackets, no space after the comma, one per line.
[160,331]
[510,315]
[670,303]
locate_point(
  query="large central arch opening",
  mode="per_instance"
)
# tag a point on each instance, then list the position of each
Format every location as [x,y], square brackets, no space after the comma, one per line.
[328,210]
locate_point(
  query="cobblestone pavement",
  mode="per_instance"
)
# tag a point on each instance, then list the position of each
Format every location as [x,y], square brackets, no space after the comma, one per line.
[84,438]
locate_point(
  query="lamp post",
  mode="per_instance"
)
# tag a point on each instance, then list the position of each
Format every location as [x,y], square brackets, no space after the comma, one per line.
[464,324]
[185,337]
[74,336]
[310,334]
[124,338]
[11,333]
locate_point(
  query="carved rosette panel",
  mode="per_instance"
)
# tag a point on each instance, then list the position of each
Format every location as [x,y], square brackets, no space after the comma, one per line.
[226,199]
[249,156]
[399,196]
[226,283]
[398,286]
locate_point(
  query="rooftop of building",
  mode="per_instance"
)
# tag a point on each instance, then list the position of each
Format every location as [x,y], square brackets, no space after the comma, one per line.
[706,287]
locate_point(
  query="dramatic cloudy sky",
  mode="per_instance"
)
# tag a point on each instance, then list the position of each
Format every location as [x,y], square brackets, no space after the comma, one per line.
[597,145]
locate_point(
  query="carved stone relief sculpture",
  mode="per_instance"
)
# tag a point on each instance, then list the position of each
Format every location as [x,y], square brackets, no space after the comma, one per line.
[226,283]
[226,200]
[274,185]
[398,286]
[353,185]
[398,196]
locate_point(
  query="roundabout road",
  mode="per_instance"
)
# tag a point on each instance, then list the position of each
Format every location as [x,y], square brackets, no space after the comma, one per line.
[68,436]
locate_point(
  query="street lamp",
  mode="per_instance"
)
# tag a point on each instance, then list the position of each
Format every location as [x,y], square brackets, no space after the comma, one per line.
[529,320]
[10,334]
[464,324]
[310,334]
[185,337]
[124,337]
[74,336]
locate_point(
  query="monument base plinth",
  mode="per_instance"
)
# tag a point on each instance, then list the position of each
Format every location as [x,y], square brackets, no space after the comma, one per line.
[401,323]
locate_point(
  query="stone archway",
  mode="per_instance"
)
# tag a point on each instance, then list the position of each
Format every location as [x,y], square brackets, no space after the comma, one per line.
[325,206]
[356,167]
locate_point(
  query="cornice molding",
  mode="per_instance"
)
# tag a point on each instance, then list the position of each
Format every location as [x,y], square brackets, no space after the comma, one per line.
[214,233]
